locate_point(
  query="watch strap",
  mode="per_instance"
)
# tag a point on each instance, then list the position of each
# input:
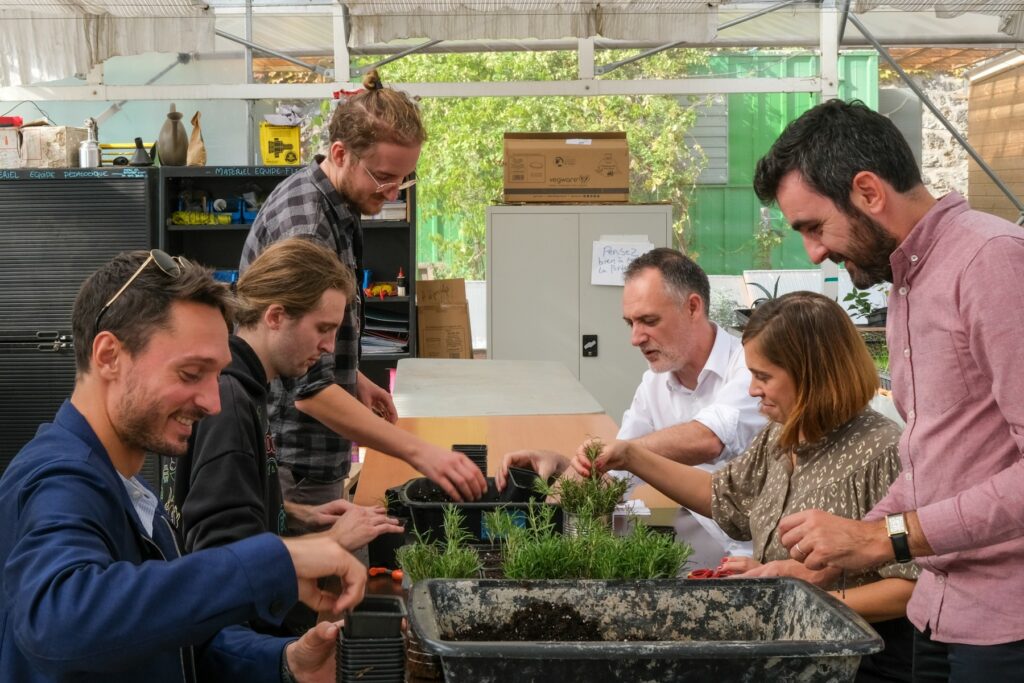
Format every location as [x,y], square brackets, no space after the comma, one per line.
[286,672]
[901,547]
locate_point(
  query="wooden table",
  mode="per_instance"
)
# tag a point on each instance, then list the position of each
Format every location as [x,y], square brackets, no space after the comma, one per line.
[501,434]
[430,387]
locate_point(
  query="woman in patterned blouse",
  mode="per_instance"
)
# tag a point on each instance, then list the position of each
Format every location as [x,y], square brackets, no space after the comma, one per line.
[824,448]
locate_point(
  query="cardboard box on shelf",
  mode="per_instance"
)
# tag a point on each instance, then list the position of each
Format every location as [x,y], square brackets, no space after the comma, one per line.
[279,145]
[442,312]
[9,157]
[566,167]
[51,146]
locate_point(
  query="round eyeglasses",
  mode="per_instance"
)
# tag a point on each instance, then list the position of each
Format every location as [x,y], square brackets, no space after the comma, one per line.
[384,188]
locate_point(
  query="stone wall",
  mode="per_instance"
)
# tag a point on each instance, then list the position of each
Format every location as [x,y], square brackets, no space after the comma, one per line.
[943,159]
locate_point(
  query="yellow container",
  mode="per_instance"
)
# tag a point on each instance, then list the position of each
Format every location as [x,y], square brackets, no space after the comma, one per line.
[279,145]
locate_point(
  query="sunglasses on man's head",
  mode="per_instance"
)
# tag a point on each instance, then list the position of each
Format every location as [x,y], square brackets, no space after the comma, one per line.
[169,265]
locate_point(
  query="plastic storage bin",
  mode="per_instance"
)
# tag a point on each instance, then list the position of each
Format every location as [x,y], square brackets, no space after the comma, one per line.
[737,630]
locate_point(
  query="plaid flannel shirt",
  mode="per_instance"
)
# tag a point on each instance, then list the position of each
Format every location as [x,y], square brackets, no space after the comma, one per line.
[307,204]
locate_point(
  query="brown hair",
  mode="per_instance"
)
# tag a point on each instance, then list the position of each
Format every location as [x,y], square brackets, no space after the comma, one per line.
[142,308]
[377,114]
[294,273]
[810,337]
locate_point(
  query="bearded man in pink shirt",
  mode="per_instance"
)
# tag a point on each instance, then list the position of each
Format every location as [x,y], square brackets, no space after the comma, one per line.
[846,180]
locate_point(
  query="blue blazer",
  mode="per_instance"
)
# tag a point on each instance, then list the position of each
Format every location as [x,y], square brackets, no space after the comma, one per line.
[89,596]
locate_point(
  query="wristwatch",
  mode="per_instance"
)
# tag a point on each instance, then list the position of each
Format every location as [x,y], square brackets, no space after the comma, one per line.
[896,527]
[286,672]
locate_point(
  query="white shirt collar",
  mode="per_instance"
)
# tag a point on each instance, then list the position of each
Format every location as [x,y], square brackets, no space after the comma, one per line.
[718,362]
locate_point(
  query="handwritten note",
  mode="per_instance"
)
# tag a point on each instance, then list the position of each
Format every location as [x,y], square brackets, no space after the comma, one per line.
[611,259]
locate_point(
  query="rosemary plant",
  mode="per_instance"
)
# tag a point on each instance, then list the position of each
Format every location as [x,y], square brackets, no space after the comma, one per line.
[452,559]
[593,496]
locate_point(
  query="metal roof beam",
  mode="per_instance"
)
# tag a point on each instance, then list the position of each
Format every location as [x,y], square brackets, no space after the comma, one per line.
[607,68]
[360,70]
[315,68]
[989,171]
[270,91]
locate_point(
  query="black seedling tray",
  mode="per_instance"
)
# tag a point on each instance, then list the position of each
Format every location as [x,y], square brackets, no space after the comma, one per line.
[426,502]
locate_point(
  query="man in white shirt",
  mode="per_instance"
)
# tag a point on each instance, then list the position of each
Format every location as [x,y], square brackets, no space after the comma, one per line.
[693,404]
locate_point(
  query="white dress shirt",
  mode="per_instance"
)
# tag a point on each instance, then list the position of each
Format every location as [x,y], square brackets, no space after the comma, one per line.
[721,402]
[143,501]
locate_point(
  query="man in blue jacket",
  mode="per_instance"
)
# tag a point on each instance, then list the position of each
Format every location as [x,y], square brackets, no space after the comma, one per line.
[94,588]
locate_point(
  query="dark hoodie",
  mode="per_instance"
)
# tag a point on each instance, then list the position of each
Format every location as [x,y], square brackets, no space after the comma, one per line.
[226,489]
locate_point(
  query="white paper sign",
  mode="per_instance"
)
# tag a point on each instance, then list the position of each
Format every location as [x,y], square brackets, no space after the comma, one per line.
[611,259]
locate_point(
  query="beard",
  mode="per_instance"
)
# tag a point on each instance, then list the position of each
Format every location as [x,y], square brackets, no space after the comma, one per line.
[368,205]
[867,257]
[140,424]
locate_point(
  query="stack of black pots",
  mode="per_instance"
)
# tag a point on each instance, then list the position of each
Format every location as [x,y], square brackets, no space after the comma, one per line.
[370,646]
[476,453]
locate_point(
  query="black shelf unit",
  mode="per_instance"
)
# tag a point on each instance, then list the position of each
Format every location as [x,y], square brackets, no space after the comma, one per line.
[388,245]
[56,227]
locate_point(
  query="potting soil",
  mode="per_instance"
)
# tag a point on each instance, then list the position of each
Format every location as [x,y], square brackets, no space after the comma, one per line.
[536,620]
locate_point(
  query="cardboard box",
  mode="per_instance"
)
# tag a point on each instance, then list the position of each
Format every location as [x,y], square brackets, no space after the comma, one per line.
[9,157]
[442,312]
[566,167]
[279,145]
[51,146]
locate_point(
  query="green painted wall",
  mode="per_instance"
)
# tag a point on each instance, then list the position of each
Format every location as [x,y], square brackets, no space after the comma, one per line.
[723,217]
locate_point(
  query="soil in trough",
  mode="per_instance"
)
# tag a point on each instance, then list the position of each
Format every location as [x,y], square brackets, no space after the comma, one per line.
[537,620]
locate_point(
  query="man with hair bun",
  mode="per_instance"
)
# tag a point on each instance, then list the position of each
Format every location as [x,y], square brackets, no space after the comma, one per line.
[375,140]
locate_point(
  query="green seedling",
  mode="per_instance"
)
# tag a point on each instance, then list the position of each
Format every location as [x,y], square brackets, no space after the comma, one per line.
[451,559]
[593,496]
[537,551]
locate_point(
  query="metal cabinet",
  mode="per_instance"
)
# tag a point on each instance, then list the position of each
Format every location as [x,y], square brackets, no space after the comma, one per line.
[541,301]
[56,227]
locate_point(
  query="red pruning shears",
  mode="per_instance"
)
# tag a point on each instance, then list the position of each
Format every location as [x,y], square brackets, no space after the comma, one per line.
[396,574]
[710,573]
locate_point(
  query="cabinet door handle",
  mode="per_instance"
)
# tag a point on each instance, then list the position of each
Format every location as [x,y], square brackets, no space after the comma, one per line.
[589,346]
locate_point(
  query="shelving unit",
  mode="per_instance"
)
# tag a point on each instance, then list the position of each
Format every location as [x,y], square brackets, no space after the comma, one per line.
[388,245]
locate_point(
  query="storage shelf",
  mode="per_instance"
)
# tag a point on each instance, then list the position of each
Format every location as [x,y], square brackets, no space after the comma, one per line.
[386,300]
[384,356]
[207,227]
[389,245]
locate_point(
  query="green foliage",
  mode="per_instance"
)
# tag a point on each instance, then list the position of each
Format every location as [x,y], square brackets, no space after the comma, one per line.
[452,559]
[460,170]
[768,296]
[766,240]
[643,554]
[536,551]
[858,302]
[880,356]
[594,496]
[723,309]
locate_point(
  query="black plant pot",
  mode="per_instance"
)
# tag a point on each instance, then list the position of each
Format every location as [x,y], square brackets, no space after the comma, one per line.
[876,318]
[377,616]
[383,548]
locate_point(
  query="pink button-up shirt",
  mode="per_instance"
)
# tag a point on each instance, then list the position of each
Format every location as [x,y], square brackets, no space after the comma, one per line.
[956,347]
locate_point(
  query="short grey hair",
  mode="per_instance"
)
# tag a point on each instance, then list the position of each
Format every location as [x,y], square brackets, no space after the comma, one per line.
[681,274]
